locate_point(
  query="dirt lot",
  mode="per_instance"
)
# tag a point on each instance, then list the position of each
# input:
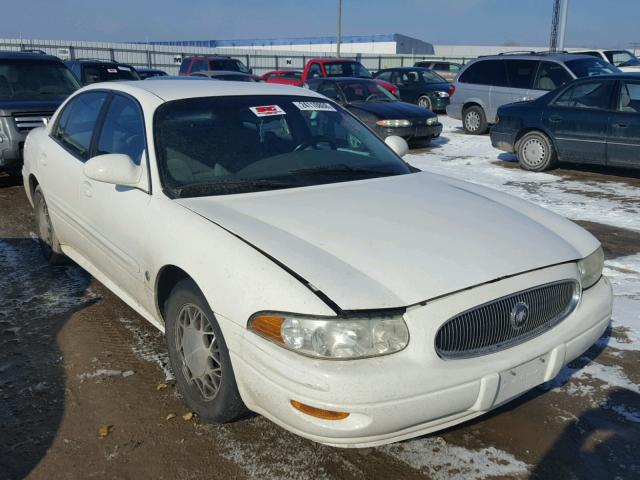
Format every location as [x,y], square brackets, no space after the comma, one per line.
[74,358]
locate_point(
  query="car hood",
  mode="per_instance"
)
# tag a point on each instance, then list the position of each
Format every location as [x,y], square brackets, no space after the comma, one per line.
[10,106]
[388,110]
[397,241]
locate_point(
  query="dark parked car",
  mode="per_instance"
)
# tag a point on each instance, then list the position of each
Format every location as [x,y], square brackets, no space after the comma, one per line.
[225,75]
[378,109]
[89,70]
[591,120]
[145,73]
[32,86]
[419,85]
[210,63]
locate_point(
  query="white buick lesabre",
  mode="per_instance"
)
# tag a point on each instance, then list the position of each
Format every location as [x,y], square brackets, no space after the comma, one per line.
[300,269]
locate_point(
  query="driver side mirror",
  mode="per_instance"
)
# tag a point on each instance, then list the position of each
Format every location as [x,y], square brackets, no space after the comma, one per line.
[115,168]
[398,144]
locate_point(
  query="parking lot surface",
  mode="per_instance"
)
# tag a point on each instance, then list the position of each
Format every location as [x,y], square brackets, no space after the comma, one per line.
[85,391]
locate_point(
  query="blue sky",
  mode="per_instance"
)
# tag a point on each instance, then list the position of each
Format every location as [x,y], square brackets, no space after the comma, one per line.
[487,22]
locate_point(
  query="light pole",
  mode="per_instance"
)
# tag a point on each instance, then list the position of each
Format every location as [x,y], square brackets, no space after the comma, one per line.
[562,24]
[339,33]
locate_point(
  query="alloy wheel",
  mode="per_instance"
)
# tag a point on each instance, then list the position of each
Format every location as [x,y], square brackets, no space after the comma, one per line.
[472,121]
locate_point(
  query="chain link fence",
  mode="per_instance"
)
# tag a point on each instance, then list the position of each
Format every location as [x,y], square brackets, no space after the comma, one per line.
[168,58]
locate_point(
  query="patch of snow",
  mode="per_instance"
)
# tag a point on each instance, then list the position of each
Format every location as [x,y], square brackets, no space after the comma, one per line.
[100,373]
[440,460]
[146,347]
[624,274]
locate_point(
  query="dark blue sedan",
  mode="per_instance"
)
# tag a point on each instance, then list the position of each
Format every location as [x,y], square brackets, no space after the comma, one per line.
[592,120]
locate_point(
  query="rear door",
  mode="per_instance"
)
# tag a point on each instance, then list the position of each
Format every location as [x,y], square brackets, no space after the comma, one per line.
[623,141]
[520,74]
[578,120]
[500,93]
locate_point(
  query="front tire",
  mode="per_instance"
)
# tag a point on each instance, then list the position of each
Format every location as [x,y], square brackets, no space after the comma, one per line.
[536,153]
[474,120]
[47,238]
[199,356]
[425,102]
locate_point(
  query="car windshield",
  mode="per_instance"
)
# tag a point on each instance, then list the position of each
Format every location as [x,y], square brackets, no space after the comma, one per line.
[21,78]
[365,91]
[427,76]
[108,72]
[346,69]
[590,67]
[622,58]
[229,64]
[238,144]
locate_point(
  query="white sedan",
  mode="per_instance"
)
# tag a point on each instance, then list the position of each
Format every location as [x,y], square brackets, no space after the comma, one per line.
[300,269]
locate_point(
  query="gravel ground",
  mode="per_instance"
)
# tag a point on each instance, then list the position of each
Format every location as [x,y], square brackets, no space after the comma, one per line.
[85,391]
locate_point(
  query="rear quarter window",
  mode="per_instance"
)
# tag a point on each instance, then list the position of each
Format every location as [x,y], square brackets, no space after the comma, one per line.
[485,72]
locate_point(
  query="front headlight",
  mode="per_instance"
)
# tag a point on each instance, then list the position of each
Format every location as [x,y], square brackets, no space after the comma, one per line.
[334,337]
[432,120]
[394,123]
[442,94]
[590,268]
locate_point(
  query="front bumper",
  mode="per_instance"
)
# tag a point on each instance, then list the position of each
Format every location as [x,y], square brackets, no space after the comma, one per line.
[11,144]
[410,133]
[414,392]
[503,140]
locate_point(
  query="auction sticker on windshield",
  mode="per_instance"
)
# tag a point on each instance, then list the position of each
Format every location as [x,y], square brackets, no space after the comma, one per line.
[314,106]
[267,110]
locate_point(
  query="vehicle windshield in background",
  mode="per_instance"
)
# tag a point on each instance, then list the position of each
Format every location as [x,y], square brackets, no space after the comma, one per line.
[622,58]
[21,78]
[356,91]
[590,67]
[237,144]
[107,73]
[346,69]
[425,76]
[228,64]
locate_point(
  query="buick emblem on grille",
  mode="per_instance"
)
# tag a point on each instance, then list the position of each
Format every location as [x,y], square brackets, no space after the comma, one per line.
[519,315]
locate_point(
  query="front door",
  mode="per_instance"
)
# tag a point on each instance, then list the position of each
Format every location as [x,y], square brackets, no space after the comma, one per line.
[623,141]
[578,121]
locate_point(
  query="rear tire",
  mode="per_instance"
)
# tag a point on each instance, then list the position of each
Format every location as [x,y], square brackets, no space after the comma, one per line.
[425,102]
[474,121]
[199,356]
[536,153]
[47,238]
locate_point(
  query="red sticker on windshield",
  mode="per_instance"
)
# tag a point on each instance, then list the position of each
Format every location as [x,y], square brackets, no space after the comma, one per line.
[267,110]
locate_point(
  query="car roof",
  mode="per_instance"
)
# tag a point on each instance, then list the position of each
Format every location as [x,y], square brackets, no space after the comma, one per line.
[346,79]
[332,60]
[612,76]
[169,90]
[8,55]
[217,73]
[406,68]
[206,56]
[559,57]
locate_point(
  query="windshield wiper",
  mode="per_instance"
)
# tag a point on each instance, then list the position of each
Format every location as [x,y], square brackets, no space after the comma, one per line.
[340,168]
[230,185]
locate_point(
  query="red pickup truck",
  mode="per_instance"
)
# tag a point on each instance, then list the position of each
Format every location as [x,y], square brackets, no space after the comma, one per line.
[341,67]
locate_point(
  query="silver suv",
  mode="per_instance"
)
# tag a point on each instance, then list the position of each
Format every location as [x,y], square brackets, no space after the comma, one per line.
[486,83]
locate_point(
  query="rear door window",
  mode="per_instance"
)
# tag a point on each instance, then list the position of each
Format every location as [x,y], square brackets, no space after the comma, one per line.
[386,76]
[550,76]
[486,72]
[593,95]
[521,72]
[77,122]
[629,97]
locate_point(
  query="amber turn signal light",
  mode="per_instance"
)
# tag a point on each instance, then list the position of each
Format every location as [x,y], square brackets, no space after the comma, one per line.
[268,326]
[318,412]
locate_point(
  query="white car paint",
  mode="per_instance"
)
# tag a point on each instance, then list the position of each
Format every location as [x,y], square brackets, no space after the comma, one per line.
[603,55]
[435,245]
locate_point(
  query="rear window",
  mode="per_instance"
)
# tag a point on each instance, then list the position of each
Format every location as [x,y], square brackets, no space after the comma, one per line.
[346,69]
[590,67]
[486,72]
[108,73]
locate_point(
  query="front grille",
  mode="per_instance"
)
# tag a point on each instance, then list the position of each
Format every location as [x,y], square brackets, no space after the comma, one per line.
[29,120]
[503,323]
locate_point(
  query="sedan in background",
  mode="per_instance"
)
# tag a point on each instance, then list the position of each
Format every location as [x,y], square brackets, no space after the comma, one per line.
[286,77]
[419,85]
[145,73]
[300,269]
[381,111]
[447,70]
[591,120]
[225,75]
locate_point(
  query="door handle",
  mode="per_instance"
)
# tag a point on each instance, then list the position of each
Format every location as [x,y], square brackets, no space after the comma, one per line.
[87,189]
[620,125]
[555,118]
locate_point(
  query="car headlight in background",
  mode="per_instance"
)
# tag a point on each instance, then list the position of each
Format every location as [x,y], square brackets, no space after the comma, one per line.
[334,338]
[590,268]
[394,123]
[442,94]
[432,120]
